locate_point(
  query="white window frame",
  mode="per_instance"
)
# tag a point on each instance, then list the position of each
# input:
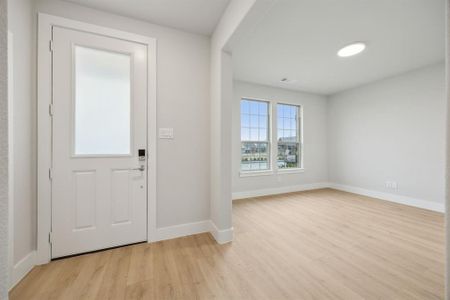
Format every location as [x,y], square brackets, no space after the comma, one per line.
[273,140]
[300,168]
[269,171]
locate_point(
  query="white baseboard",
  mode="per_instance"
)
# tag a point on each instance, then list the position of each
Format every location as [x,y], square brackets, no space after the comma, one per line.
[176,231]
[430,205]
[221,236]
[280,190]
[22,268]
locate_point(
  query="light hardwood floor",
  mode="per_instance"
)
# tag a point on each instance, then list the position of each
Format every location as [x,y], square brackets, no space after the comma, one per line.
[322,244]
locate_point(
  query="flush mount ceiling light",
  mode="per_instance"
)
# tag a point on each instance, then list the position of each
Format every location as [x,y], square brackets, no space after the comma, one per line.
[352,49]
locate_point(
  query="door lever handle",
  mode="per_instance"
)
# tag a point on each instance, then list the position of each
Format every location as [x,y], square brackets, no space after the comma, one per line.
[141,168]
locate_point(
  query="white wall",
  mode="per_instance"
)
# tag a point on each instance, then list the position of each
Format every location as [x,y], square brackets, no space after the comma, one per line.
[391,130]
[314,139]
[236,23]
[220,97]
[20,23]
[183,103]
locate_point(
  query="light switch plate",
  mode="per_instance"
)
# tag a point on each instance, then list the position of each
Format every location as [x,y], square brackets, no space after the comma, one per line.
[166,133]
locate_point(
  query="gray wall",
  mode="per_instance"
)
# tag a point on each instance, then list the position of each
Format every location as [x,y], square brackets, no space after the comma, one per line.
[391,130]
[314,132]
[20,23]
[3,153]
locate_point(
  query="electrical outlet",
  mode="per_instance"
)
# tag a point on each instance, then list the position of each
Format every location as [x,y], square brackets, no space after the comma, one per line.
[391,185]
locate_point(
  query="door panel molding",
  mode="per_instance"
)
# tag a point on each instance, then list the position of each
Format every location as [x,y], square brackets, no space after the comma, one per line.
[45,48]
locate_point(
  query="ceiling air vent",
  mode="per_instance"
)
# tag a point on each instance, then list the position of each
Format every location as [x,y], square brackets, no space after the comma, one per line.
[287,80]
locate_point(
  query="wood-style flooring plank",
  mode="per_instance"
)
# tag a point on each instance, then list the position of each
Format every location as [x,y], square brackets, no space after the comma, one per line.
[322,244]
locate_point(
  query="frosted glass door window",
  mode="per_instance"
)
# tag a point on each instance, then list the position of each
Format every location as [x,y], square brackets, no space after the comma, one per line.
[102,102]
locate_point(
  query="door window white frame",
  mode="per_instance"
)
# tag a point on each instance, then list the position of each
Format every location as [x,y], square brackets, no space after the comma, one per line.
[73,105]
[46,24]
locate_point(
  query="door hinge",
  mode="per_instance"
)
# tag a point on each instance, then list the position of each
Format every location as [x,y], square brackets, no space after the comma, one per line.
[50,173]
[50,110]
[50,237]
[51,46]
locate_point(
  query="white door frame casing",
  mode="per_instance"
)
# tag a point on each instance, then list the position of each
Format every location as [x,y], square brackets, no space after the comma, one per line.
[45,95]
[10,157]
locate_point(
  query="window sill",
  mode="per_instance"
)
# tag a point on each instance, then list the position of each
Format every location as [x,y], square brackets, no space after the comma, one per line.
[291,171]
[255,173]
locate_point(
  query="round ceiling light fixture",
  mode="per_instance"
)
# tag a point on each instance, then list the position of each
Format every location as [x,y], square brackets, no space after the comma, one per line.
[352,49]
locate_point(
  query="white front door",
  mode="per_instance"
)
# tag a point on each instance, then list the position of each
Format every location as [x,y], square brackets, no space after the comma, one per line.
[99,130]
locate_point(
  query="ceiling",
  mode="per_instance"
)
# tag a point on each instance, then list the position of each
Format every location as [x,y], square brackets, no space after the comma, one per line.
[197,16]
[299,39]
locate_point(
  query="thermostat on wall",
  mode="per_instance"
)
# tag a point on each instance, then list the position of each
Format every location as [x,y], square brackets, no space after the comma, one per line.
[166,133]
